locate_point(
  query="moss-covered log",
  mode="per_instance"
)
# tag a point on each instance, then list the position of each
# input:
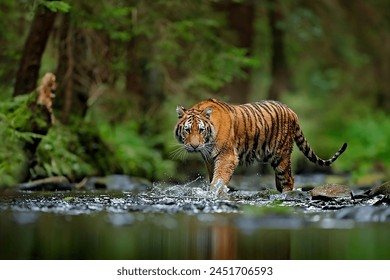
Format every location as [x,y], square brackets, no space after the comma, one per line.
[25,120]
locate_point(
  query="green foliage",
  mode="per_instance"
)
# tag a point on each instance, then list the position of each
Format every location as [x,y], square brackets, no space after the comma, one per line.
[219,69]
[367,132]
[18,114]
[161,38]
[12,157]
[134,153]
[56,6]
[114,20]
[15,118]
[60,153]
[12,33]
[194,46]
[82,148]
[138,144]
[368,149]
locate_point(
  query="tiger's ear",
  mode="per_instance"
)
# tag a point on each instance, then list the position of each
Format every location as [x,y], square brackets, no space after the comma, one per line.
[180,111]
[207,112]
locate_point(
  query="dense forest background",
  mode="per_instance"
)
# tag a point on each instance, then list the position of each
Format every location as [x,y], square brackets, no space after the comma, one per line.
[122,66]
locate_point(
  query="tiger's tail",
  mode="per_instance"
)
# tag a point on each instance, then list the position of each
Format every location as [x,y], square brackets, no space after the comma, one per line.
[305,148]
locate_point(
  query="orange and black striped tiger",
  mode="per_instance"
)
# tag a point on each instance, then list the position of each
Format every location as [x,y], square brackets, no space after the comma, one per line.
[226,135]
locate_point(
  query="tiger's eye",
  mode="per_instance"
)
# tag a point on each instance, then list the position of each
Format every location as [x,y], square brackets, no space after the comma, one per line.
[187,127]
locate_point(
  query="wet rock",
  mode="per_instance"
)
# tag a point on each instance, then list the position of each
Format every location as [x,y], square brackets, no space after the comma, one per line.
[245,196]
[337,203]
[266,194]
[378,200]
[58,183]
[167,201]
[295,195]
[293,198]
[331,191]
[382,189]
[360,192]
[307,188]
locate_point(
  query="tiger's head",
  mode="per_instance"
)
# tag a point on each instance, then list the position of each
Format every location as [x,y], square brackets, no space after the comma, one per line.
[194,129]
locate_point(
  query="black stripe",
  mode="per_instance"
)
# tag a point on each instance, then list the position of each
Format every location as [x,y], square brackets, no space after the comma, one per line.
[246,120]
[276,162]
[283,121]
[256,140]
[265,107]
[313,156]
[178,131]
[248,131]
[300,141]
[225,106]
[263,129]
[273,131]
[236,125]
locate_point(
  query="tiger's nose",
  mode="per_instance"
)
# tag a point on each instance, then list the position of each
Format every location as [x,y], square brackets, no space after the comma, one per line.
[194,145]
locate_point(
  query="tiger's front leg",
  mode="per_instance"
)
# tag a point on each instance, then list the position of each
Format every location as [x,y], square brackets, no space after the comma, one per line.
[224,166]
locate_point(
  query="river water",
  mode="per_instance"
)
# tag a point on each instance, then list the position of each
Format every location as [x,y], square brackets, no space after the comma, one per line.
[186,221]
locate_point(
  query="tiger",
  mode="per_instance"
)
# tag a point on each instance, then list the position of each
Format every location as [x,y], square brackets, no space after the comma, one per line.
[227,135]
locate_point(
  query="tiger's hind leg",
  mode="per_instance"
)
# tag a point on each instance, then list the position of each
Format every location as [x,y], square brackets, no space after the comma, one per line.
[284,181]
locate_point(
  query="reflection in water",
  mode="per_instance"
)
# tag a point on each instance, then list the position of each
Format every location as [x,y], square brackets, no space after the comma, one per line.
[181,236]
[188,222]
[24,218]
[224,242]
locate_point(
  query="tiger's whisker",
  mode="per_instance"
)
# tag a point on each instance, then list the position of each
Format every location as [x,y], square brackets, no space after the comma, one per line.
[179,153]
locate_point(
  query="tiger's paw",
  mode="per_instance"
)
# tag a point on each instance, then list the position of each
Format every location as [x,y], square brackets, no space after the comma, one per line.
[219,189]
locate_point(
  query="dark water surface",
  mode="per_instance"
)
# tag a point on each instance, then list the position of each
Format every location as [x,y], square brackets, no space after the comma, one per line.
[187,222]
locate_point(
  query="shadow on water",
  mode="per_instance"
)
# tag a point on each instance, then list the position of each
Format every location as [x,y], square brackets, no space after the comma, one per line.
[187,222]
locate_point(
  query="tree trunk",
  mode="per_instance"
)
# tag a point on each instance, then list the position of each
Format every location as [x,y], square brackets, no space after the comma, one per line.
[145,85]
[279,67]
[241,17]
[73,70]
[134,74]
[30,63]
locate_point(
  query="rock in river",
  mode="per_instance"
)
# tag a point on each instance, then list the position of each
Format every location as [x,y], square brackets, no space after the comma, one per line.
[382,189]
[330,191]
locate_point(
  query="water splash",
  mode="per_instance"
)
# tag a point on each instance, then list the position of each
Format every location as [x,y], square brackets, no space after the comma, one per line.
[196,189]
[220,190]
